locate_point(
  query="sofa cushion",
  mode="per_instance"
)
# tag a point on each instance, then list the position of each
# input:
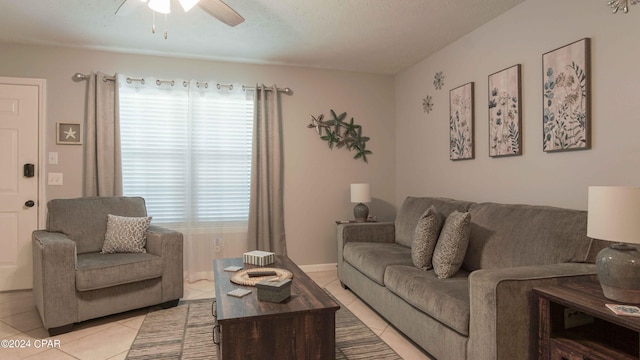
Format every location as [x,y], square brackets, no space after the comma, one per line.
[371,259]
[84,220]
[97,271]
[425,238]
[125,234]
[413,207]
[452,245]
[446,300]
[505,235]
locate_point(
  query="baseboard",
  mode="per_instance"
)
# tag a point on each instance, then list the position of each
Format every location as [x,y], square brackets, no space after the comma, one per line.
[318,267]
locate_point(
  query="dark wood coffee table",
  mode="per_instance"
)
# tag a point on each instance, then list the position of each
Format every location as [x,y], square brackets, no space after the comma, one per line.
[302,327]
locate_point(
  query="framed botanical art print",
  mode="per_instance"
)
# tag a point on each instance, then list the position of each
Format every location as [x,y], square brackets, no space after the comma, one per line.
[567,98]
[505,121]
[461,122]
[68,134]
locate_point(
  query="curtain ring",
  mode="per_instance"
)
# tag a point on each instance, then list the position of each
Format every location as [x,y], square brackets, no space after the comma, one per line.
[229,86]
[159,82]
[185,83]
[129,80]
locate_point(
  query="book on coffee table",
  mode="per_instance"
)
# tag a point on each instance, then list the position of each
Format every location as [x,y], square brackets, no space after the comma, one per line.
[239,292]
[626,310]
[233,268]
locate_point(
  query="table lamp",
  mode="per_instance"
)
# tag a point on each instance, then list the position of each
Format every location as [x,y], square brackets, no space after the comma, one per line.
[360,195]
[614,215]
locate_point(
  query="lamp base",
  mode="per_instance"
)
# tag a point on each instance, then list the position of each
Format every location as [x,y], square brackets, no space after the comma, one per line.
[361,212]
[618,268]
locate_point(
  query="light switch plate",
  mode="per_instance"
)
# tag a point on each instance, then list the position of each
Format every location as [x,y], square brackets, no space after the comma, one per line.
[53,158]
[55,179]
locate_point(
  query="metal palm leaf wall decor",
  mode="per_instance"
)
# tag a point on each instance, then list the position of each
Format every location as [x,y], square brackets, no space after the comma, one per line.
[341,134]
[621,5]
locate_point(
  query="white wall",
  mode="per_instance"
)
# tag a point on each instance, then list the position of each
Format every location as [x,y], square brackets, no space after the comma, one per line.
[521,36]
[316,179]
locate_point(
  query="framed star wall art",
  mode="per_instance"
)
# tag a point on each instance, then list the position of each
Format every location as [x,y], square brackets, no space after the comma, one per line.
[68,134]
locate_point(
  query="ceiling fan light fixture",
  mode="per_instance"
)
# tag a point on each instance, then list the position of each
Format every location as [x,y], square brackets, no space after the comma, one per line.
[188,4]
[161,6]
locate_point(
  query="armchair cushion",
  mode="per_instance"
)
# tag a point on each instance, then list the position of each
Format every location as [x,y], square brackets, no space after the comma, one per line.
[97,271]
[125,234]
[84,220]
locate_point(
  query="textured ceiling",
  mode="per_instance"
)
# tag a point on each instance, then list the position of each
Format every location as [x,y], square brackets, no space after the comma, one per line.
[377,36]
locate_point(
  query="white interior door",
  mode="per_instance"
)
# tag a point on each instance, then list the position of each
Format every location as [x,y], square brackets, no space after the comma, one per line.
[19,134]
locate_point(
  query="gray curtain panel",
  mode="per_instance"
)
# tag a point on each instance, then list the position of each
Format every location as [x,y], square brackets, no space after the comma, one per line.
[266,209]
[102,160]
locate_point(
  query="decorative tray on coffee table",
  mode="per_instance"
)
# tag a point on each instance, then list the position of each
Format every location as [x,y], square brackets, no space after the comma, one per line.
[248,277]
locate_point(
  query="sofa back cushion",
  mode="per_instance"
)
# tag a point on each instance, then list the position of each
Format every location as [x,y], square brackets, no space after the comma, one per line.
[520,235]
[84,220]
[414,207]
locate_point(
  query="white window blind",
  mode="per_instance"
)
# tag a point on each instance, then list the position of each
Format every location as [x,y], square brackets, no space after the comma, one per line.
[187,151]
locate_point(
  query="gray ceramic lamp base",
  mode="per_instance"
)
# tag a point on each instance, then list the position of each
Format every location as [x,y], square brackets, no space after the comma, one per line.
[618,268]
[361,212]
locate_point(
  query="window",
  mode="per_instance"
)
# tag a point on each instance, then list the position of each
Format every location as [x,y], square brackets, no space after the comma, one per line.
[187,151]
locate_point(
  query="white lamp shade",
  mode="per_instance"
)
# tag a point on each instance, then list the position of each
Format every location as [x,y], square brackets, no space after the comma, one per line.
[614,213]
[360,193]
[188,4]
[161,6]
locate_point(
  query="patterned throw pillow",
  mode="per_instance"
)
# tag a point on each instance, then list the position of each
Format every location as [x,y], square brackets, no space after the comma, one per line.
[452,245]
[125,234]
[425,238]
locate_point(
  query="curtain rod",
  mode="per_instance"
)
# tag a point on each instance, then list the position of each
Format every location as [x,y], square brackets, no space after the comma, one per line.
[77,77]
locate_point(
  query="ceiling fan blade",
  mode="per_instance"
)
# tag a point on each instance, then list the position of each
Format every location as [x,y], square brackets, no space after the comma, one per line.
[128,7]
[221,11]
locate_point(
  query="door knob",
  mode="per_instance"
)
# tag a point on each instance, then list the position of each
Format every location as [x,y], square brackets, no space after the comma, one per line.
[29,203]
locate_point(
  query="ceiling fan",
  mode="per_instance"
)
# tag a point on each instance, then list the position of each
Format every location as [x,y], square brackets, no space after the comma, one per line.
[216,8]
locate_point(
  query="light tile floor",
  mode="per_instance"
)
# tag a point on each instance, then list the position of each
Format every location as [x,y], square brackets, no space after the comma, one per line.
[110,337]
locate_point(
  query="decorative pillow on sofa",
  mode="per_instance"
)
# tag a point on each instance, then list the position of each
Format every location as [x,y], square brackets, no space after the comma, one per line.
[425,238]
[125,234]
[452,245]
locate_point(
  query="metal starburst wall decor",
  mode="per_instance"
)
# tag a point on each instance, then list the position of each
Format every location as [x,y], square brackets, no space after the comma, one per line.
[427,104]
[438,80]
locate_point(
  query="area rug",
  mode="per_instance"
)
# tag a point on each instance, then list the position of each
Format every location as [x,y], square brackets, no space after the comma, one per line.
[184,332]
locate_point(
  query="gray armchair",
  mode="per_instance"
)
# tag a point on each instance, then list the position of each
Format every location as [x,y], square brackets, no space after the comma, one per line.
[74,282]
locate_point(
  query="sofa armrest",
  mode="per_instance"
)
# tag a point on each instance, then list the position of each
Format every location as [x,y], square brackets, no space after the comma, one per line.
[167,244]
[54,278]
[504,311]
[382,232]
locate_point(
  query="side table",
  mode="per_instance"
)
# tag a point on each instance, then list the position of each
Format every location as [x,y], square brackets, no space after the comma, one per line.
[576,324]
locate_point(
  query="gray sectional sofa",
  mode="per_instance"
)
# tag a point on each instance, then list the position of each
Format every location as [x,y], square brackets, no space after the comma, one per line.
[485,311]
